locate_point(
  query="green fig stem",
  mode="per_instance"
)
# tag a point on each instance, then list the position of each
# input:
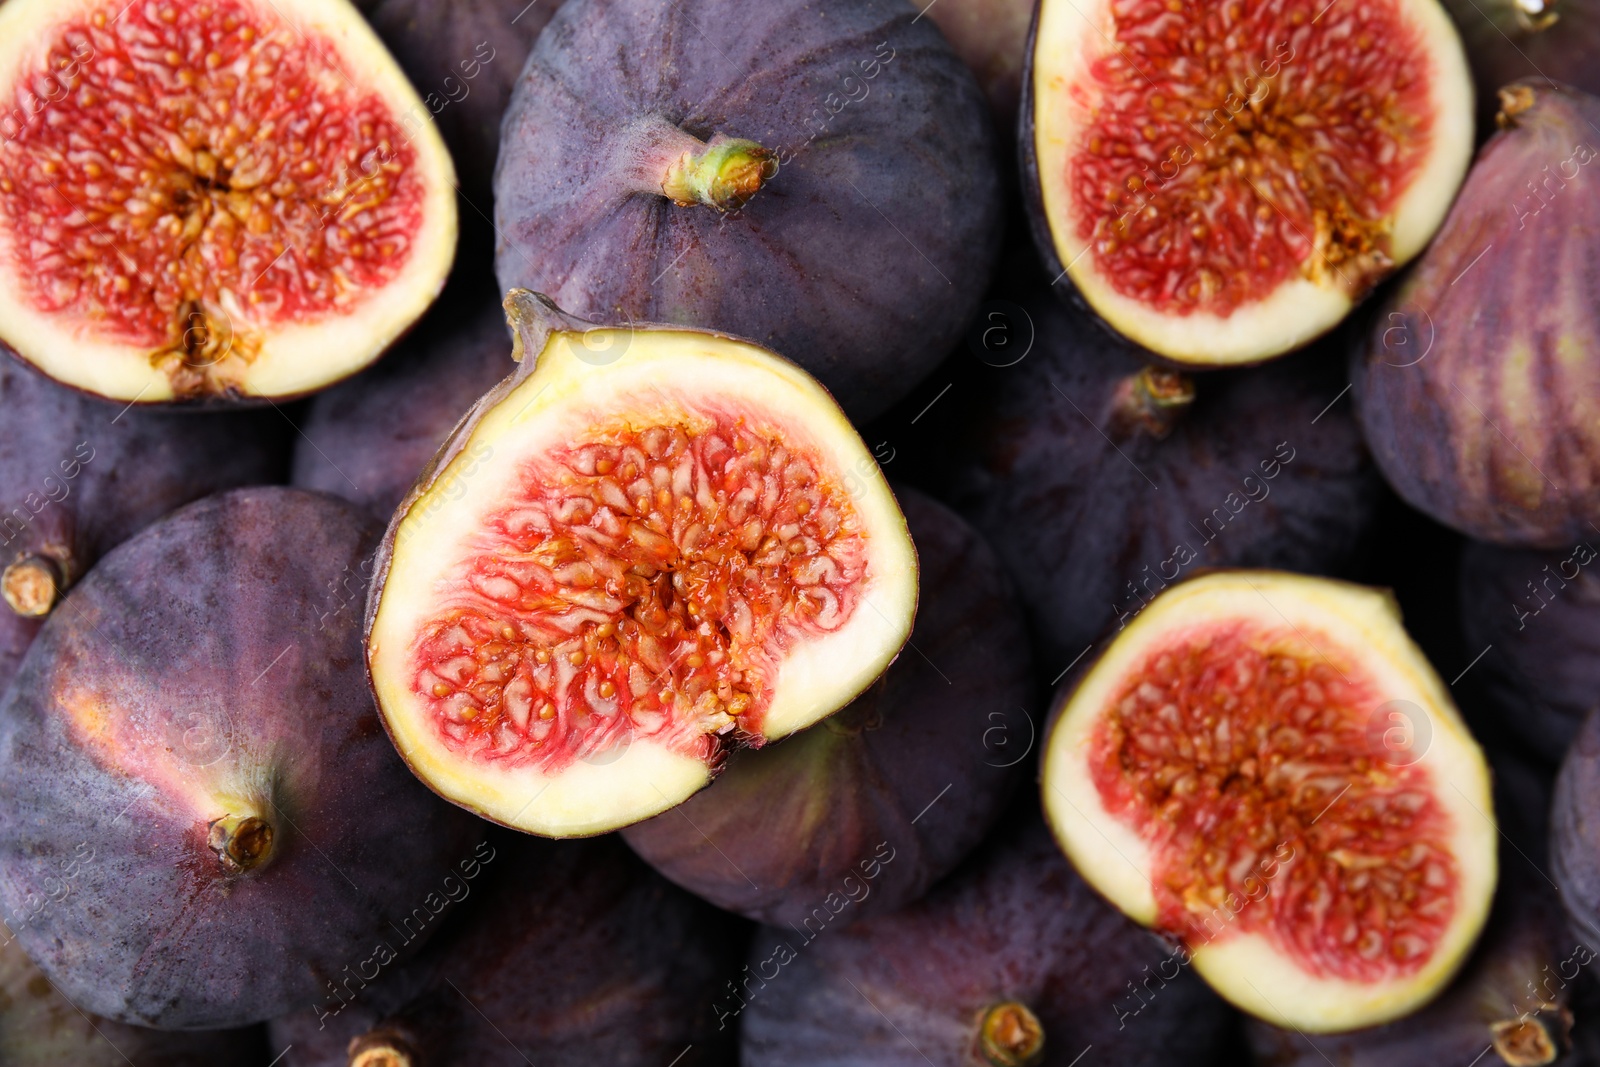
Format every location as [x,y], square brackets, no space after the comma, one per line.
[32,585]
[241,842]
[1010,1035]
[1525,1041]
[1151,401]
[723,173]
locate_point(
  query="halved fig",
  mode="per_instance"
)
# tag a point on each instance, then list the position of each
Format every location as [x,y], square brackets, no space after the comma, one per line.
[1222,182]
[1264,766]
[201,820]
[646,545]
[241,198]
[868,808]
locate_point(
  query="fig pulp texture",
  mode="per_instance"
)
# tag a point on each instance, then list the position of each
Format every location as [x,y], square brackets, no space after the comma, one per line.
[1011,961]
[202,823]
[1221,183]
[368,439]
[1264,766]
[1102,478]
[1511,40]
[241,198]
[1538,616]
[79,476]
[568,954]
[905,781]
[815,176]
[648,545]
[1477,381]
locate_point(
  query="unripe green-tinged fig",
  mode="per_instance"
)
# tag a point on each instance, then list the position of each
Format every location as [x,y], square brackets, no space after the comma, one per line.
[1101,478]
[646,546]
[1012,961]
[1478,382]
[41,1028]
[1537,613]
[369,438]
[220,201]
[902,783]
[1265,766]
[815,176]
[991,37]
[1509,40]
[571,953]
[191,751]
[1221,183]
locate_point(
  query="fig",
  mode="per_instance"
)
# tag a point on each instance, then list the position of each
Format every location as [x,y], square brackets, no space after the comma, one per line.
[1222,183]
[1575,833]
[816,176]
[1013,960]
[1264,766]
[1535,617]
[991,37]
[199,812]
[918,767]
[646,546]
[41,1028]
[1260,467]
[212,202]
[1508,40]
[368,439]
[1473,394]
[573,954]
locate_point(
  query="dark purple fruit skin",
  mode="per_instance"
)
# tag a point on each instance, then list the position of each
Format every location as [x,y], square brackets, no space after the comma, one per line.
[1538,614]
[40,1028]
[368,439]
[991,37]
[1575,832]
[1504,45]
[917,768]
[573,953]
[79,475]
[211,665]
[862,260]
[1014,923]
[1265,469]
[1474,384]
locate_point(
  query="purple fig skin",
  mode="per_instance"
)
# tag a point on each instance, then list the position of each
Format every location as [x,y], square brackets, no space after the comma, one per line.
[1538,614]
[368,439]
[1014,924]
[1096,499]
[991,37]
[203,680]
[1575,832]
[920,765]
[576,954]
[79,475]
[1474,384]
[861,259]
[1506,43]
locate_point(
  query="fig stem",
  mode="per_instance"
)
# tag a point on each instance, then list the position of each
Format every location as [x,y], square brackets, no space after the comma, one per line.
[723,173]
[1152,400]
[1524,1042]
[241,842]
[372,1050]
[32,585]
[1011,1035]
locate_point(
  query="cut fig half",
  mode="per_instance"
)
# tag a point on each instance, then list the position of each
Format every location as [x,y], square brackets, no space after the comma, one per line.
[646,545]
[240,198]
[1223,182]
[1263,766]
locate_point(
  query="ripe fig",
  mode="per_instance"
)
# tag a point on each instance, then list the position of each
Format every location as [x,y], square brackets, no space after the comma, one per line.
[369,438]
[1101,478]
[1575,832]
[816,176]
[41,1028]
[572,953]
[1535,617]
[647,545]
[1264,766]
[918,767]
[219,201]
[199,812]
[1509,40]
[991,37]
[1471,388]
[1012,961]
[1222,183]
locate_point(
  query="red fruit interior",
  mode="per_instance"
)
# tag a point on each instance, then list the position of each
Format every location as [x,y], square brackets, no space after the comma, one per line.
[1247,759]
[644,584]
[1231,145]
[163,160]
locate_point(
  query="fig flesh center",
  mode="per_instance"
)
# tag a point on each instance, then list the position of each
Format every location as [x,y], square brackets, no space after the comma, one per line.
[1230,148]
[642,583]
[182,177]
[1254,764]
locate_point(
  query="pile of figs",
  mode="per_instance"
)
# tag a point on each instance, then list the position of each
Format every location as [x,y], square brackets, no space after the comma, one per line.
[985,533]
